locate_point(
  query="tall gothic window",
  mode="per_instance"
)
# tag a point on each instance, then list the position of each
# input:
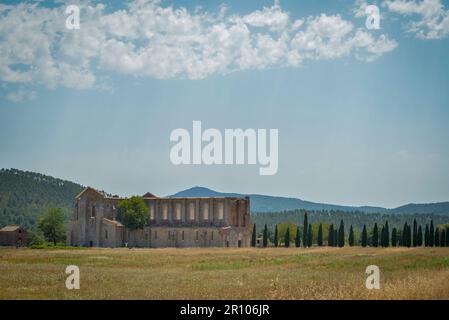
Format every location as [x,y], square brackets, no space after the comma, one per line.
[192,211]
[178,211]
[151,211]
[220,211]
[206,211]
[165,211]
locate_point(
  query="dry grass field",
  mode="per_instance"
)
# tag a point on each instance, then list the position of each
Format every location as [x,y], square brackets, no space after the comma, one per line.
[223,273]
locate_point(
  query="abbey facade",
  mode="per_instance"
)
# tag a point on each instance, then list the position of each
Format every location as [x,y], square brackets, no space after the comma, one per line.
[172,222]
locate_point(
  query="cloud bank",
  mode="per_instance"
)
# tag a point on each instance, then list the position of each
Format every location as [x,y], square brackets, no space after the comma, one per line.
[147,39]
[431,19]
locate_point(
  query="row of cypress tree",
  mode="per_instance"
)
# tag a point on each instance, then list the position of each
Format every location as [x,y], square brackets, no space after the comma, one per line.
[407,237]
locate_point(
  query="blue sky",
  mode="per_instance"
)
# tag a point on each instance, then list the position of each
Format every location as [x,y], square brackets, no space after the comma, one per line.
[362,114]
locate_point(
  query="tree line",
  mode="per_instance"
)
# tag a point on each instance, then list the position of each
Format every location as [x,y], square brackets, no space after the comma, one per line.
[414,235]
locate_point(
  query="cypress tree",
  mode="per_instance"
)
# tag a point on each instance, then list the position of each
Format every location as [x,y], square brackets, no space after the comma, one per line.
[387,234]
[415,233]
[382,237]
[310,235]
[276,236]
[335,237]
[320,235]
[375,236]
[253,238]
[341,234]
[426,236]
[287,238]
[394,237]
[265,236]
[419,240]
[330,237]
[305,239]
[404,235]
[364,237]
[437,237]
[431,234]
[443,238]
[298,238]
[447,237]
[351,236]
[409,236]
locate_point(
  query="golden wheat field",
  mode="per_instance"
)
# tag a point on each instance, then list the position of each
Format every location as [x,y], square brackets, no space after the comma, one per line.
[224,273]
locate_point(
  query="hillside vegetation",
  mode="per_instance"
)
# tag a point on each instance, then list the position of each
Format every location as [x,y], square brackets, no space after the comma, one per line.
[24,195]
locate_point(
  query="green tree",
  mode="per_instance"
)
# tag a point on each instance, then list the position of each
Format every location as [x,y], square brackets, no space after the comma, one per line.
[382,237]
[426,236]
[51,223]
[341,234]
[254,236]
[310,236]
[297,238]
[330,237]
[443,238]
[276,242]
[419,240]
[287,238]
[437,237]
[409,236]
[305,239]
[394,237]
[387,235]
[447,237]
[415,233]
[364,237]
[375,240]
[35,237]
[335,236]
[351,236]
[320,235]
[265,236]
[431,234]
[133,213]
[404,235]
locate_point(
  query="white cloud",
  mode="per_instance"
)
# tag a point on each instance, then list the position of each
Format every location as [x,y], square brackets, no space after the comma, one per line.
[359,8]
[21,96]
[149,40]
[432,18]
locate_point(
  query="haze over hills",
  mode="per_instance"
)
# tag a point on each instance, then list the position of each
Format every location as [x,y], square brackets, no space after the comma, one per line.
[264,203]
[24,195]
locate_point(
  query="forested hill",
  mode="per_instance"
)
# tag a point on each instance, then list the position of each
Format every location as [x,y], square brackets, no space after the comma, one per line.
[23,196]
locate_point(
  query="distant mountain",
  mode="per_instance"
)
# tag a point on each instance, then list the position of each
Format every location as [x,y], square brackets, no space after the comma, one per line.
[24,195]
[428,208]
[263,203]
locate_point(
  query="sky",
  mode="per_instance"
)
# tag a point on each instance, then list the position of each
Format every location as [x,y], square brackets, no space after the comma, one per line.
[362,114]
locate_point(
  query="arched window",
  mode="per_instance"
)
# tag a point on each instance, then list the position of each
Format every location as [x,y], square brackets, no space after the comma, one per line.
[151,211]
[192,211]
[206,211]
[178,211]
[164,211]
[220,211]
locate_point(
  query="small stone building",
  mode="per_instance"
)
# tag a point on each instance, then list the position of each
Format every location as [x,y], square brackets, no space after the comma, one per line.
[172,222]
[13,236]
